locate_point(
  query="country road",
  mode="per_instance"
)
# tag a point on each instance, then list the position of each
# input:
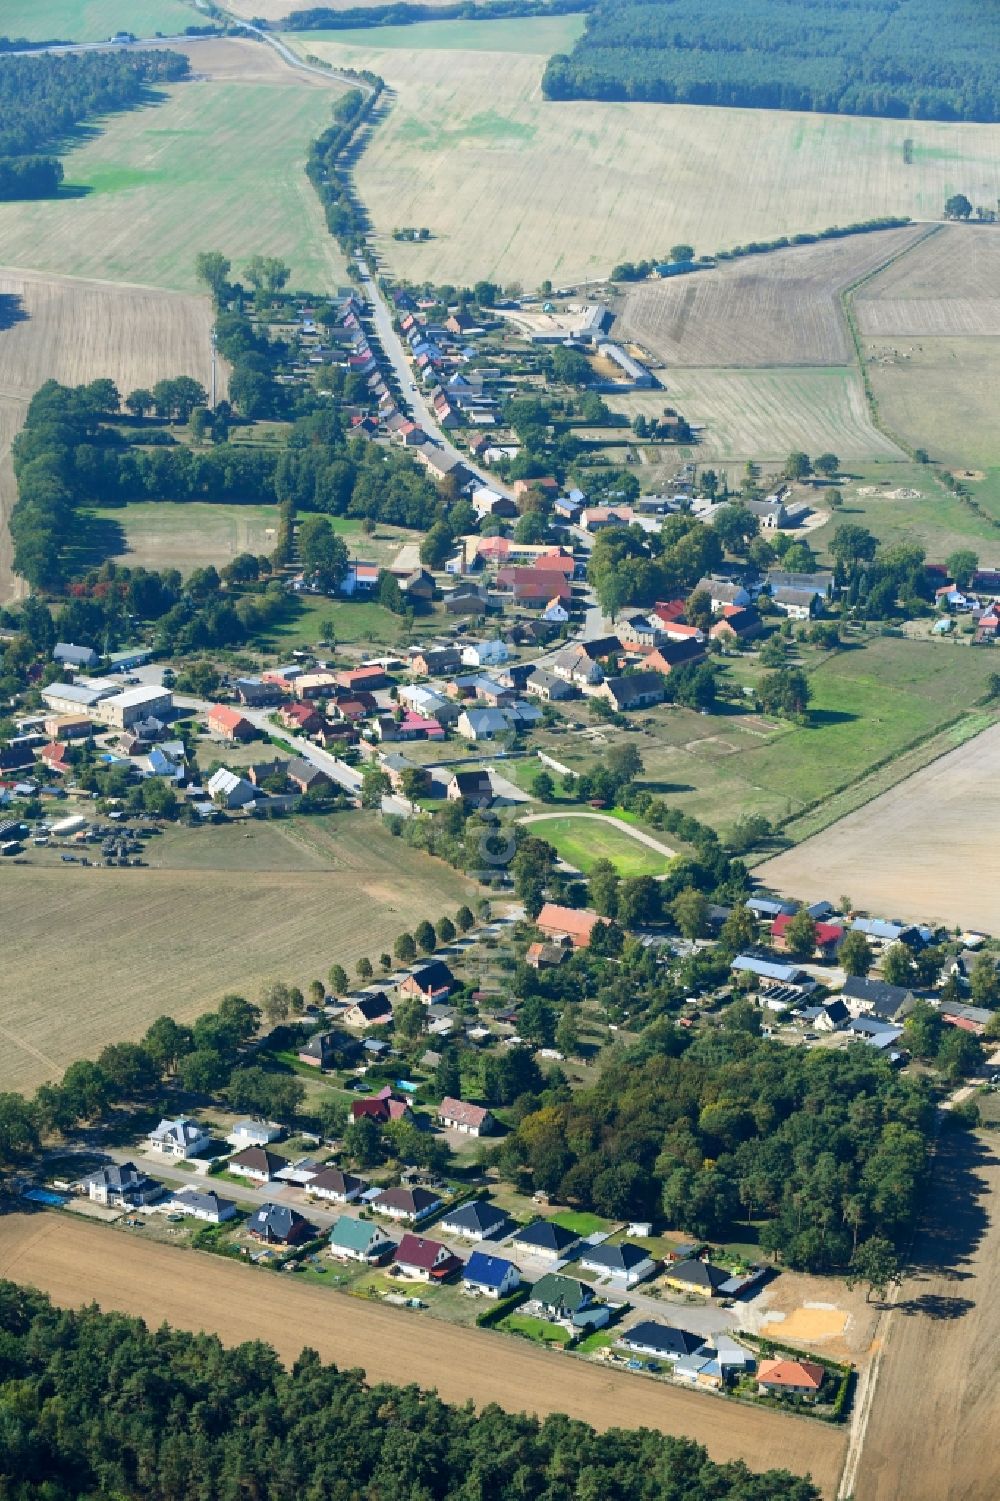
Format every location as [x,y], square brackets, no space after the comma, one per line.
[624,828]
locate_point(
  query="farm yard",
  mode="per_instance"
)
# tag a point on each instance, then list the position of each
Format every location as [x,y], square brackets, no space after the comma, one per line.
[77,1262]
[94,20]
[143,187]
[55,327]
[515,188]
[286,902]
[923,850]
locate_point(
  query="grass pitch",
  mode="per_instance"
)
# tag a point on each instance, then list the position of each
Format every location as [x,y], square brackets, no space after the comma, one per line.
[581,842]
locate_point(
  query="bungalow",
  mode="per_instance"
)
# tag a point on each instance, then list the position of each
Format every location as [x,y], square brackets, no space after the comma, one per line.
[301,717]
[829,936]
[381,1108]
[335,1186]
[409,1204]
[425,1260]
[372,1010]
[277,1224]
[790,1378]
[482,724]
[458,1115]
[202,1205]
[661,1341]
[121,1187]
[637,690]
[359,1240]
[575,923]
[624,1264]
[320,1050]
[182,1137]
[473,788]
[561,1298]
[431,982]
[256,1163]
[474,1220]
[694,1276]
[229,724]
[491,1276]
[864,997]
[673,653]
[546,1239]
[254,1132]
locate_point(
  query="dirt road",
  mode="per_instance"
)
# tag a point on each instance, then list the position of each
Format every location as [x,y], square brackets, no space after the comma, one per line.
[936,1407]
[77,1263]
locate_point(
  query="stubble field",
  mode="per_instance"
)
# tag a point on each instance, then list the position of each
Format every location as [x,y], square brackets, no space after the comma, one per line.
[93,956]
[76,1263]
[940,394]
[948,284]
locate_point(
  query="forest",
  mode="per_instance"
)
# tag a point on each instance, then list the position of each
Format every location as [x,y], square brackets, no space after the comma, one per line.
[43,100]
[905,59]
[95,1404]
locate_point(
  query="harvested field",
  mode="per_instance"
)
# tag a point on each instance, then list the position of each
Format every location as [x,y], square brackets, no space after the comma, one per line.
[163,535]
[76,1263]
[515,188]
[55,327]
[286,903]
[778,309]
[940,394]
[144,183]
[890,855]
[936,1396]
[948,284]
[93,20]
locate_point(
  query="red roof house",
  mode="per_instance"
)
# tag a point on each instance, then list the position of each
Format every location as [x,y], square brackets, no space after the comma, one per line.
[828,934]
[229,723]
[300,716]
[574,923]
[381,1107]
[425,1259]
[794,1378]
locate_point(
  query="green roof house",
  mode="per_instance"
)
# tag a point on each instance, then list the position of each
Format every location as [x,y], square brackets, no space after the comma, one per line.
[359,1240]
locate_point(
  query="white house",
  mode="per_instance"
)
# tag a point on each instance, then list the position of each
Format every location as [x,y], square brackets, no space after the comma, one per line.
[254,1132]
[490,1276]
[458,1115]
[123,1187]
[485,653]
[230,791]
[202,1206]
[183,1137]
[555,612]
[624,1265]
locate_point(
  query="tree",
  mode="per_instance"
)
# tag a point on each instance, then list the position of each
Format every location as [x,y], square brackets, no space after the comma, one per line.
[567,1032]
[602,888]
[317,992]
[786,691]
[690,912]
[852,545]
[448,1075]
[957,207]
[266,274]
[129,1069]
[140,401]
[435,549]
[464,919]
[984,980]
[682,253]
[445,930]
[362,1143]
[337,980]
[201,1072]
[922,1031]
[375,785]
[827,464]
[166,1042]
[739,931]
[800,935]
[959,1055]
[212,268]
[797,466]
[876,1265]
[962,564]
[385,963]
[897,965]
[332,1116]
[536,1021]
[405,949]
[322,552]
[364,969]
[280,1000]
[409,1016]
[426,938]
[736,526]
[544,787]
[855,954]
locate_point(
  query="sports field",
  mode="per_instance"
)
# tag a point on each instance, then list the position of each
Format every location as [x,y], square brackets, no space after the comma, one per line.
[76,1262]
[218,166]
[94,20]
[515,188]
[583,839]
[159,534]
[59,328]
[279,900]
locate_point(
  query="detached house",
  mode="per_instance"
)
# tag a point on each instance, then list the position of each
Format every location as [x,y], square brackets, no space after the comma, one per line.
[257,1164]
[426,1260]
[559,923]
[475,1220]
[694,1276]
[564,1300]
[320,1051]
[471,1120]
[624,1265]
[546,1239]
[490,1276]
[864,997]
[474,788]
[179,1138]
[637,690]
[122,1187]
[790,1378]
[359,1240]
[409,1204]
[369,1011]
[431,982]
[277,1224]
[229,724]
[335,1186]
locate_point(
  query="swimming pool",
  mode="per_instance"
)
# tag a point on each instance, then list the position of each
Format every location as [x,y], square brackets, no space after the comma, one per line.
[44,1196]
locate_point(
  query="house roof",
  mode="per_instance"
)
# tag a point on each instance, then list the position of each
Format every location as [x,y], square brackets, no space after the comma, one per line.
[546,1236]
[182,1130]
[354,1234]
[192,1199]
[663,1338]
[372,1006]
[410,1200]
[433,976]
[622,1258]
[332,1180]
[791,1373]
[414,1250]
[565,1293]
[118,1176]
[826,932]
[463,1113]
[477,1216]
[275,1221]
[258,1160]
[229,719]
[636,686]
[885,999]
[473,783]
[698,1273]
[579,923]
[487,1271]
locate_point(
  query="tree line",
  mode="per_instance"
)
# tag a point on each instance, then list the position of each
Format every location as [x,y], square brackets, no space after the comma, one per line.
[905,59]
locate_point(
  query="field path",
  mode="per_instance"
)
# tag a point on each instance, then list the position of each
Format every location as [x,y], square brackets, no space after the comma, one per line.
[626,828]
[76,1263]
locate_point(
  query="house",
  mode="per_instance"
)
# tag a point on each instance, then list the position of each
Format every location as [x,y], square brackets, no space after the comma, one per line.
[877,1034]
[797,604]
[306,777]
[121,1187]
[409,1204]
[74,656]
[485,653]
[202,1205]
[576,665]
[56,756]
[768,907]
[600,518]
[372,1010]
[466,599]
[254,1132]
[767,969]
[282,677]
[714,1364]
[491,1276]
[543,1238]
[864,997]
[359,1240]
[827,1018]
[431,982]
[122,710]
[335,1186]
[790,1378]
[974,1019]
[363,679]
[229,724]
[738,623]
[555,612]
[561,1298]
[640,628]
[425,1260]
[277,1224]
[661,1341]
[458,1115]
[436,661]
[382,1107]
[723,592]
[817,585]
[301,717]
[673,653]
[475,1220]
[182,1138]
[637,690]
[256,1163]
[694,1276]
[546,955]
[418,585]
[482,724]
[623,1264]
[886,932]
[669,611]
[829,936]
[69,726]
[575,923]
[320,1050]
[473,788]
[228,790]
[254,693]
[544,685]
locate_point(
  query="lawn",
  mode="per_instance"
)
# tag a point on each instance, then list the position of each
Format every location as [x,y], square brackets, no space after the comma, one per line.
[161,534]
[936,520]
[539,1330]
[579,1221]
[583,841]
[355,622]
[94,20]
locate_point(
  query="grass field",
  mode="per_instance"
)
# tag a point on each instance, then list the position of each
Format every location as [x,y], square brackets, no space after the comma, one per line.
[285,903]
[68,330]
[940,394]
[94,20]
[516,188]
[583,841]
[163,535]
[937,521]
[150,201]
[77,1262]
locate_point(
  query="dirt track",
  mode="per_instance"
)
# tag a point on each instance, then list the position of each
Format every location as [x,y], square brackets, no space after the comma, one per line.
[76,1263]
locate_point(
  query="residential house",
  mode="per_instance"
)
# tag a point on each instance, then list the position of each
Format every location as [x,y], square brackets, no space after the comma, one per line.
[723,592]
[624,1264]
[661,1341]
[770,907]
[359,1240]
[546,1239]
[770,512]
[335,1186]
[320,684]
[865,997]
[56,757]
[277,1224]
[320,1051]
[121,1186]
[436,661]
[431,982]
[575,923]
[563,1299]
[370,1010]
[490,1276]
[202,1205]
[672,653]
[182,1138]
[408,1204]
[887,932]
[227,790]
[636,690]
[544,685]
[283,677]
[473,788]
[790,1378]
[381,1108]
[694,1276]
[424,1260]
[229,724]
[829,936]
[829,1017]
[797,604]
[639,628]
[534,588]
[669,611]
[576,665]
[768,969]
[600,518]
[877,1034]
[482,724]
[69,726]
[546,955]
[555,612]
[818,585]
[466,599]
[470,1120]
[256,1163]
[714,1364]
[301,717]
[675,631]
[306,777]
[254,693]
[418,585]
[363,679]
[254,1132]
[738,623]
[475,1220]
[485,653]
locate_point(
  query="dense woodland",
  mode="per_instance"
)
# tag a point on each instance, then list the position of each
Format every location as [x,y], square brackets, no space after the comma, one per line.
[907,59]
[43,100]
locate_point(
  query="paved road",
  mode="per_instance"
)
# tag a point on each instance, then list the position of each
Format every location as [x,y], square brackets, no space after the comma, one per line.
[625,828]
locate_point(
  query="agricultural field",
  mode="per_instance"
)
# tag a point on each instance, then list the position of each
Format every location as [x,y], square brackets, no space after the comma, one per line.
[280,900]
[518,189]
[948,284]
[582,839]
[940,394]
[143,203]
[777,309]
[77,1262]
[94,20]
[56,327]
[923,850]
